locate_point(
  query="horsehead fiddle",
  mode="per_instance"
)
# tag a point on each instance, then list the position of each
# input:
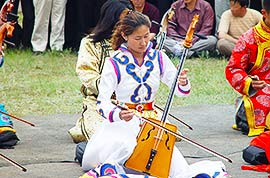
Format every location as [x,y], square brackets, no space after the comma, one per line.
[156,139]
[160,38]
[7,22]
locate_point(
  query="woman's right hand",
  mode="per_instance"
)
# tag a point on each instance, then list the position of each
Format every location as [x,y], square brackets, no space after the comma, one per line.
[126,115]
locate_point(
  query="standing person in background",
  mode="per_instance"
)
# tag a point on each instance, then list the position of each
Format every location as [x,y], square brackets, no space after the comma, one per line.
[48,11]
[248,72]
[150,10]
[72,42]
[234,23]
[28,22]
[184,12]
[94,49]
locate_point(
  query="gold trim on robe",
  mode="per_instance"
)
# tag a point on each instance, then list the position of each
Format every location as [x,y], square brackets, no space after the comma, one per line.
[262,37]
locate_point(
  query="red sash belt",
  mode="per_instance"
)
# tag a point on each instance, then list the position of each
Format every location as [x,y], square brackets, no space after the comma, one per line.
[140,107]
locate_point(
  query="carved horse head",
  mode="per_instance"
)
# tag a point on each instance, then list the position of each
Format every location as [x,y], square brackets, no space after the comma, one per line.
[5,30]
[5,10]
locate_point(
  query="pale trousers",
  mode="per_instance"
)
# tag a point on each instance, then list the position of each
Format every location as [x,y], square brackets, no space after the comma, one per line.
[47,11]
[201,45]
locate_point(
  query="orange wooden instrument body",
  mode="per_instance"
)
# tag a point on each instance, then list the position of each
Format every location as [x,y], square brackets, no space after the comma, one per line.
[146,140]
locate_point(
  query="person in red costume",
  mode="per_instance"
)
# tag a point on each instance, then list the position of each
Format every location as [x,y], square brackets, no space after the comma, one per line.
[248,72]
[262,141]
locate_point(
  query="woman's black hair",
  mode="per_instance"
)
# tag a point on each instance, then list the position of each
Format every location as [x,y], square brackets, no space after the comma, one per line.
[109,16]
[127,26]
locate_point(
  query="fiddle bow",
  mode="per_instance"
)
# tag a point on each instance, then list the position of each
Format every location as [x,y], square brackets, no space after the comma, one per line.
[13,163]
[7,22]
[19,119]
[156,139]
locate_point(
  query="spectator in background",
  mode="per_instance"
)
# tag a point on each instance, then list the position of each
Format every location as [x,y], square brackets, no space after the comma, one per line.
[28,22]
[234,23]
[53,12]
[223,5]
[184,12]
[150,10]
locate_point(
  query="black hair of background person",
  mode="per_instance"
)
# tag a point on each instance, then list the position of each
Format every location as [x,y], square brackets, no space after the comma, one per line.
[81,16]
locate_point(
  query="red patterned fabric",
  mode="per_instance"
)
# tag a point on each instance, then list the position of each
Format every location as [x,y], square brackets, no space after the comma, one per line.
[261,141]
[258,168]
[250,57]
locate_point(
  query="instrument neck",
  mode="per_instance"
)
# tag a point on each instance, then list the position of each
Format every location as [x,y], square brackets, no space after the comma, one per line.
[172,90]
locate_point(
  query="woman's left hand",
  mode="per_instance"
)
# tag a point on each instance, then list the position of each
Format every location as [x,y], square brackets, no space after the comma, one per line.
[182,78]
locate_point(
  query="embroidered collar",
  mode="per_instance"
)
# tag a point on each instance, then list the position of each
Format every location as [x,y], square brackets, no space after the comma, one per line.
[124,48]
[262,30]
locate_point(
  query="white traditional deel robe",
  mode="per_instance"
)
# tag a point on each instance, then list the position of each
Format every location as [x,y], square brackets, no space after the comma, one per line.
[115,140]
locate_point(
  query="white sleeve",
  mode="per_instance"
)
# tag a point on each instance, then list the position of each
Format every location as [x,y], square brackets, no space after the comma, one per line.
[107,86]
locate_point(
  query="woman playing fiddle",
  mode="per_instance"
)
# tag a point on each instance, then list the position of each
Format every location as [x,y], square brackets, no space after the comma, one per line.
[133,72]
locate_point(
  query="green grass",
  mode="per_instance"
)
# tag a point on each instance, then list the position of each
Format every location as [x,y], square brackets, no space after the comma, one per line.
[208,83]
[42,84]
[47,84]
